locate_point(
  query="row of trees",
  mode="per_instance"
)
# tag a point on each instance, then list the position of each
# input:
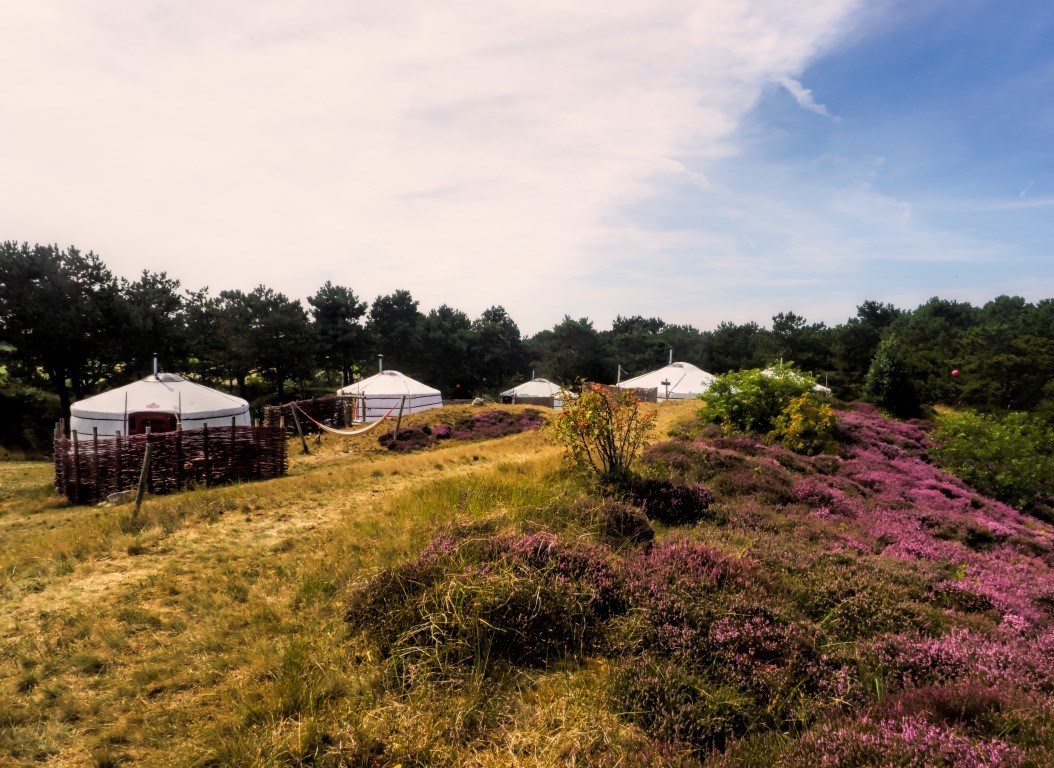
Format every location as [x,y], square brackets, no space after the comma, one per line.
[70,327]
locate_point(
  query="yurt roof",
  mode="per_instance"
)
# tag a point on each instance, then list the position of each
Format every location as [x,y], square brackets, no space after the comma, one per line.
[388,383]
[534,388]
[162,392]
[683,378]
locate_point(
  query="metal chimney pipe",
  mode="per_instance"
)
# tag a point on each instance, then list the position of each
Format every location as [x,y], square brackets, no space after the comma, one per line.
[671,356]
[155,365]
[380,363]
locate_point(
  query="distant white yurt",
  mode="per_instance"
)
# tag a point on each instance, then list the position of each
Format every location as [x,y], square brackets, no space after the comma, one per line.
[380,393]
[535,388]
[675,381]
[820,388]
[158,402]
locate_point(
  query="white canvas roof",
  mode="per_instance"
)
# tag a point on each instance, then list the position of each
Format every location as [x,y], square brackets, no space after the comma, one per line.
[387,383]
[685,380]
[816,387]
[387,391]
[193,404]
[534,388]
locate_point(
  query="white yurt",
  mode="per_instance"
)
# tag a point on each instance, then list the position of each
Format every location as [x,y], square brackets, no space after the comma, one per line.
[158,402]
[675,381]
[803,380]
[383,392]
[533,389]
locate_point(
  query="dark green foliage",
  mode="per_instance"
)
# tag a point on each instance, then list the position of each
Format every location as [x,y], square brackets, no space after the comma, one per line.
[1010,458]
[619,522]
[890,382]
[669,501]
[337,314]
[528,600]
[752,400]
[677,705]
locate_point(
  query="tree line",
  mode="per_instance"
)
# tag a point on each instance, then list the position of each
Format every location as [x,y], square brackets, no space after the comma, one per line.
[70,328]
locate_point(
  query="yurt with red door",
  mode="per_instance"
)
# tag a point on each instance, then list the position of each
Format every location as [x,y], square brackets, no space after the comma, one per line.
[159,403]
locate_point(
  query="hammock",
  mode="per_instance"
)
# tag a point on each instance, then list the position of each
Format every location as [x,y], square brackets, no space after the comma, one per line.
[344,432]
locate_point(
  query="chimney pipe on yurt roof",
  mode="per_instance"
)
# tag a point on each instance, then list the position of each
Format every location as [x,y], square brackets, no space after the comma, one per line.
[155,365]
[380,363]
[671,357]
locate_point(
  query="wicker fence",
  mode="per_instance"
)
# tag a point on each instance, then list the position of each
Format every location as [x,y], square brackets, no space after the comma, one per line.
[88,471]
[332,410]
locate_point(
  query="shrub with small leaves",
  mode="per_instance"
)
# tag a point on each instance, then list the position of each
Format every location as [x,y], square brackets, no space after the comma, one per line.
[805,425]
[671,502]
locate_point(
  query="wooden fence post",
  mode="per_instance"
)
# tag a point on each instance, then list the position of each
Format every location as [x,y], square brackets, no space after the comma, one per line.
[299,431]
[230,463]
[144,474]
[76,465]
[399,420]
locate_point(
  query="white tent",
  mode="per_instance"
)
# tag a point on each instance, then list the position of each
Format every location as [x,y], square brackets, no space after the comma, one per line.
[158,402]
[384,391]
[675,381]
[803,380]
[534,388]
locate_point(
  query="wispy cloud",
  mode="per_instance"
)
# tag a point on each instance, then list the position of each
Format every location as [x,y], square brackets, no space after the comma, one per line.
[804,97]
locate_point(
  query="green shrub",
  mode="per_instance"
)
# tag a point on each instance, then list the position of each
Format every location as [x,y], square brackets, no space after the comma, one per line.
[1010,458]
[805,425]
[603,430]
[779,401]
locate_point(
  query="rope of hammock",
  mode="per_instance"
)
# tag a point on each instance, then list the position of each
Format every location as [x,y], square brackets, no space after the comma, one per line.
[344,432]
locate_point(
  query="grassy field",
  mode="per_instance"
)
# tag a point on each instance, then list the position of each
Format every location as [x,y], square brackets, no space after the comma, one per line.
[214,629]
[209,630]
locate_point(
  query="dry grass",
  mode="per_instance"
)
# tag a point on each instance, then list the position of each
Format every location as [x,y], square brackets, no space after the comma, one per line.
[208,631]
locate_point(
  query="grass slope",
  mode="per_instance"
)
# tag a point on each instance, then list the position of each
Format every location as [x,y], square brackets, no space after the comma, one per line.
[471,604]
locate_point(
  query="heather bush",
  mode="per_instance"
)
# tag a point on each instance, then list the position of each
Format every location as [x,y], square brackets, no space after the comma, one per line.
[908,742]
[527,600]
[678,588]
[670,502]
[619,522]
[855,597]
[409,439]
[673,703]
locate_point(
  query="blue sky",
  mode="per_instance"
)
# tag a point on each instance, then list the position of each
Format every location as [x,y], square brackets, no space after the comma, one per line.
[698,161]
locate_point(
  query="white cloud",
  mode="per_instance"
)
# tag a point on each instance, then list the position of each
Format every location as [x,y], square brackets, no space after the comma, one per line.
[474,153]
[804,97]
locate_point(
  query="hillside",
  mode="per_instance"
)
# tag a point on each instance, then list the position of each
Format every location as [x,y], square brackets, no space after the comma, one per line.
[471,604]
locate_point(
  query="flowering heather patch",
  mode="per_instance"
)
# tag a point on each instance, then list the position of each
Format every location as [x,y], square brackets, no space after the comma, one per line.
[721,464]
[483,425]
[1002,660]
[489,424]
[678,587]
[908,742]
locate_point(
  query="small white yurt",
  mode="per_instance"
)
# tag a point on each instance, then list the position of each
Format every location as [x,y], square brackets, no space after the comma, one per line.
[383,392]
[820,388]
[158,402]
[535,388]
[675,381]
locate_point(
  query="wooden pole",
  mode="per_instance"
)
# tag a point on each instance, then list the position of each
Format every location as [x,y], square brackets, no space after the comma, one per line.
[299,431]
[230,463]
[179,455]
[143,475]
[399,420]
[76,464]
[205,449]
